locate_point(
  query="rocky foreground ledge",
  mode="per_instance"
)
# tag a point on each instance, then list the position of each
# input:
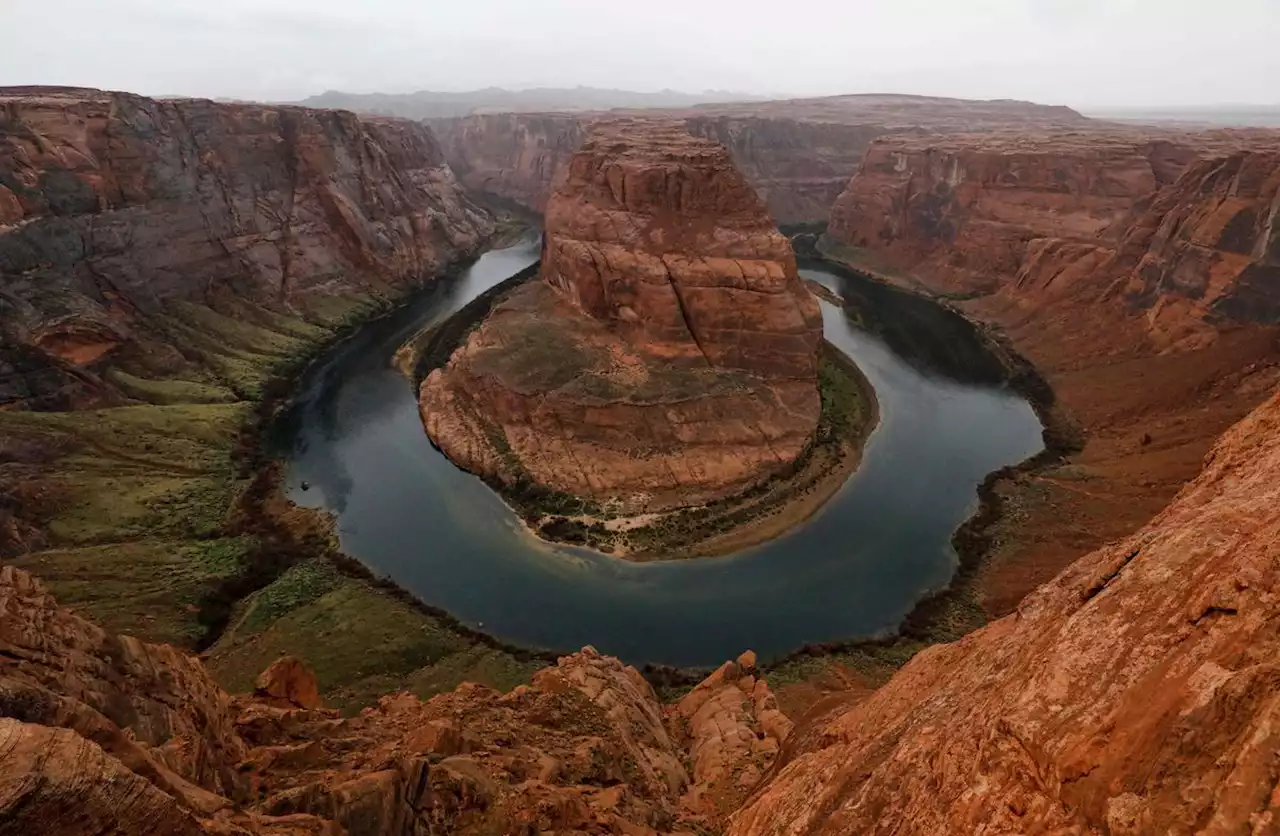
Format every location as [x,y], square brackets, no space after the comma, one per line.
[106,734]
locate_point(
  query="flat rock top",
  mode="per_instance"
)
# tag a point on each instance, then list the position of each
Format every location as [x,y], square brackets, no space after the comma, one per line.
[654,142]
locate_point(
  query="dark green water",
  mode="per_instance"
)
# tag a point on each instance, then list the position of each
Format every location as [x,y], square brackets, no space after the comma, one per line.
[853,570]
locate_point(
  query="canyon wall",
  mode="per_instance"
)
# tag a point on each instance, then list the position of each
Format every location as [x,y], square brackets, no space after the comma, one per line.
[798,154]
[798,167]
[1034,216]
[512,156]
[963,209]
[119,212]
[1136,271]
[1211,242]
[669,353]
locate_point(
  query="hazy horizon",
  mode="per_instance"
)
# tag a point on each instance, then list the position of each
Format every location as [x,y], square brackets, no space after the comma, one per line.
[1087,54]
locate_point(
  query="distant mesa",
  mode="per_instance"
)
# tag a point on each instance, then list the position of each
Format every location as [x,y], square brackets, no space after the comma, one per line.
[429,104]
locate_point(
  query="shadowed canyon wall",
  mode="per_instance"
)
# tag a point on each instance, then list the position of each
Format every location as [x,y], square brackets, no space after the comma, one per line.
[118,213]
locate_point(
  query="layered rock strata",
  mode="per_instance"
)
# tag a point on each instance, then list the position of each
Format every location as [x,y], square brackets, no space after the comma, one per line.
[105,734]
[1035,216]
[798,154]
[668,353]
[963,208]
[118,212]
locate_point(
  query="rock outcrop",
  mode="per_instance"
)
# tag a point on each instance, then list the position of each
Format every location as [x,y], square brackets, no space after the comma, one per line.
[105,734]
[798,154]
[117,212]
[1133,694]
[668,355]
[60,670]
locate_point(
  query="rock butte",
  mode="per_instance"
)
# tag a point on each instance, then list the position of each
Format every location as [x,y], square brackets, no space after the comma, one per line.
[668,355]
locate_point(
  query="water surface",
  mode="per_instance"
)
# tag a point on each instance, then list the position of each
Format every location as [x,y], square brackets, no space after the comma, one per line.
[855,569]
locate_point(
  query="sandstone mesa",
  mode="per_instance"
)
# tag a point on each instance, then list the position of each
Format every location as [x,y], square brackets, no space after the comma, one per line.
[667,355]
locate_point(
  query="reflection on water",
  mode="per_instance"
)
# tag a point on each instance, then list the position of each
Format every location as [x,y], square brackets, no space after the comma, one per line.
[855,569]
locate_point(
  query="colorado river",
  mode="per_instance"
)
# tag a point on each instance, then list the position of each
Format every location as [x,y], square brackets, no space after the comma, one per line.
[855,569]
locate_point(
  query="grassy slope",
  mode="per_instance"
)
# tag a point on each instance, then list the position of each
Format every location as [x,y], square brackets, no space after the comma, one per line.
[138,509]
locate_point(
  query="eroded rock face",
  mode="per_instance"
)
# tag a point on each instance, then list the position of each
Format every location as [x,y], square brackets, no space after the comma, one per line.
[798,154]
[669,353]
[657,234]
[116,210]
[1133,694]
[58,669]
[1181,226]
[92,726]
[513,156]
[1211,241]
[963,209]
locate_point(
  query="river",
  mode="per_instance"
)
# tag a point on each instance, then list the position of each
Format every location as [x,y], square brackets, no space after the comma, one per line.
[855,569]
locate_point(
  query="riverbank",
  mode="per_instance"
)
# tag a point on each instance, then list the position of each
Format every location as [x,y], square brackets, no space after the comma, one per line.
[164,519]
[855,668]
[849,414]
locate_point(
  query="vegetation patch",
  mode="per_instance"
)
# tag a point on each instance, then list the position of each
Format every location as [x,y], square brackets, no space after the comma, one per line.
[360,642]
[163,520]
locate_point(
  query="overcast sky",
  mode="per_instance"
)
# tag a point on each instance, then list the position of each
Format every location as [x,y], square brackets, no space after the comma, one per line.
[1076,52]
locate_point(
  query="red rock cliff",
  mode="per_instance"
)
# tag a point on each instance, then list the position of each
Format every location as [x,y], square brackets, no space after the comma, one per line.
[1133,694]
[114,208]
[961,210]
[668,356]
